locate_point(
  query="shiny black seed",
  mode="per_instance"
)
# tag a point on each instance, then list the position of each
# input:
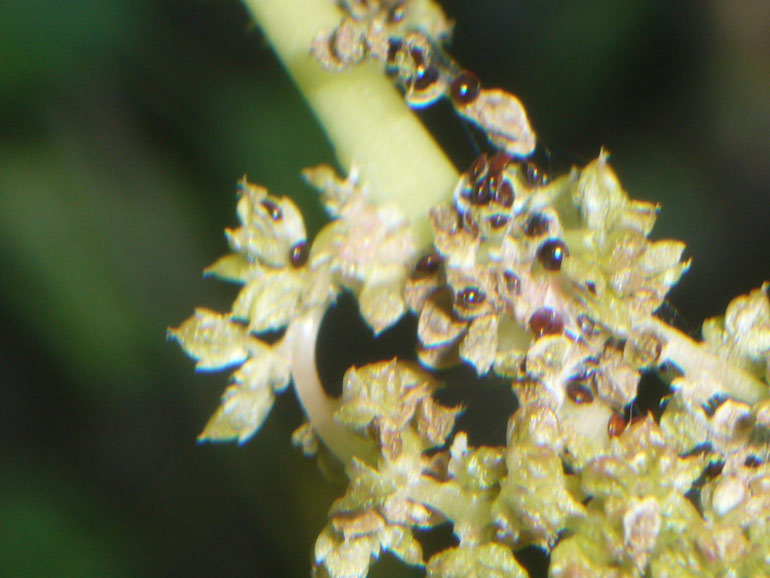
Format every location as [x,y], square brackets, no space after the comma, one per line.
[428,264]
[465,88]
[298,254]
[426,77]
[470,297]
[536,225]
[551,254]
[546,321]
[579,392]
[272,209]
[498,221]
[503,195]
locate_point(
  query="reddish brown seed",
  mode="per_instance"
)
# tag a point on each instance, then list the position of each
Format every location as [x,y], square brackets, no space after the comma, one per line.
[498,221]
[298,254]
[465,88]
[429,264]
[579,392]
[470,297]
[551,254]
[616,424]
[272,209]
[498,162]
[536,225]
[546,321]
[504,195]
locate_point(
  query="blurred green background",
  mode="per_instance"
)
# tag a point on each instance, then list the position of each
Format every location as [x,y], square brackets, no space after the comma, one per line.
[124,126]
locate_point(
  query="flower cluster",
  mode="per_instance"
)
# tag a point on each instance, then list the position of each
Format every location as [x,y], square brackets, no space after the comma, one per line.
[549,282]
[285,280]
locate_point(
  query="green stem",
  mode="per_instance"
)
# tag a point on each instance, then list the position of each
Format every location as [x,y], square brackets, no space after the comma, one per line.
[365,118]
[369,125]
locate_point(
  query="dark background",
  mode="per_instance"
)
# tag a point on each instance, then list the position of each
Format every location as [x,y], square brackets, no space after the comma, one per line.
[124,126]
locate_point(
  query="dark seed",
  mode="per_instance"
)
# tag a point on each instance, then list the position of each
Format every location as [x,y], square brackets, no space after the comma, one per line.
[465,88]
[537,225]
[551,254]
[298,254]
[428,264]
[546,321]
[591,286]
[498,221]
[503,195]
[498,162]
[394,46]
[417,57]
[616,425]
[511,281]
[272,209]
[579,393]
[471,297]
[752,462]
[714,469]
[426,77]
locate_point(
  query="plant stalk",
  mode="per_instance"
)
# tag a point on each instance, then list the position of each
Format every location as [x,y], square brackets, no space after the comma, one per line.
[363,115]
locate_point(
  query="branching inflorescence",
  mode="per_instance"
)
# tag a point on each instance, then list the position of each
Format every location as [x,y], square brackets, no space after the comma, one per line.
[551,283]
